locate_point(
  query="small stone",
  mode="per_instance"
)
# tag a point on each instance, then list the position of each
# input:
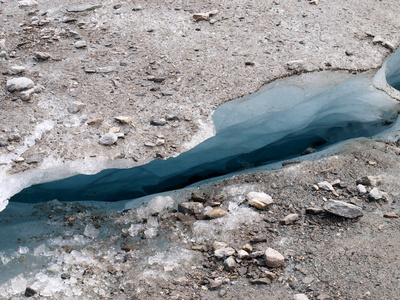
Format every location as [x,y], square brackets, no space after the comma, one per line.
[214,284]
[14,70]
[248,248]
[290,219]
[204,16]
[215,213]
[315,2]
[308,280]
[323,296]
[273,258]
[83,8]
[67,249]
[391,215]
[257,254]
[343,209]
[108,139]
[201,248]
[18,159]
[123,119]
[80,44]
[295,65]
[230,264]
[115,130]
[224,252]
[34,159]
[171,117]
[259,200]
[325,185]
[19,84]
[375,194]
[27,94]
[300,297]
[42,55]
[137,8]
[314,210]
[158,122]
[242,254]
[361,189]
[270,275]
[190,208]
[95,121]
[219,245]
[14,137]
[370,180]
[29,292]
[260,281]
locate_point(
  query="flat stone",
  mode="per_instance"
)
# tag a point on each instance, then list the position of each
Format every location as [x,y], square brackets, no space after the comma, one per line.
[224,252]
[123,119]
[27,3]
[290,219]
[83,8]
[260,281]
[42,55]
[273,258]
[325,185]
[242,254]
[219,245]
[215,213]
[95,121]
[108,139]
[391,215]
[300,297]
[295,65]
[190,208]
[14,70]
[314,210]
[80,44]
[343,209]
[75,107]
[19,84]
[34,159]
[214,284]
[259,200]
[158,122]
[230,264]
[204,16]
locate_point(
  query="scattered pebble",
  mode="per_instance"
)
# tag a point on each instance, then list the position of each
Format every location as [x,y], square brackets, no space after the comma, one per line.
[215,213]
[123,119]
[259,200]
[273,258]
[290,219]
[343,209]
[19,84]
[108,139]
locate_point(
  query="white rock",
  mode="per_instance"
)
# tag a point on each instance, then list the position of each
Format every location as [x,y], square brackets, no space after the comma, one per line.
[259,200]
[242,254]
[325,185]
[361,189]
[230,263]
[159,203]
[224,252]
[300,297]
[27,94]
[108,139]
[14,70]
[219,245]
[375,194]
[27,3]
[80,44]
[273,258]
[19,84]
[18,284]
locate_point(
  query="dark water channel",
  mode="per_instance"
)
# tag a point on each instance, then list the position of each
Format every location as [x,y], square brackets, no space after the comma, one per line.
[278,122]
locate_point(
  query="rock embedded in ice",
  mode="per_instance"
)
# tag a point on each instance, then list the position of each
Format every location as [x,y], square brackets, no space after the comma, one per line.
[159,203]
[273,258]
[343,209]
[259,200]
[90,231]
[42,55]
[215,213]
[224,252]
[290,219]
[15,70]
[108,139]
[19,84]
[375,194]
[190,208]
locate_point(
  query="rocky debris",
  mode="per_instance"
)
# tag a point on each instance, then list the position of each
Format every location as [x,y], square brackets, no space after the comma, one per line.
[308,151]
[370,180]
[375,194]
[35,159]
[224,252]
[361,189]
[264,280]
[290,219]
[343,209]
[83,8]
[314,210]
[248,248]
[80,44]
[327,187]
[95,121]
[26,95]
[215,213]
[391,215]
[273,258]
[259,200]
[230,264]
[15,70]
[158,122]
[159,203]
[19,84]
[123,119]
[242,254]
[295,65]
[301,296]
[191,208]
[219,245]
[29,292]
[108,139]
[27,3]
[76,107]
[204,16]
[214,284]
[379,40]
[42,55]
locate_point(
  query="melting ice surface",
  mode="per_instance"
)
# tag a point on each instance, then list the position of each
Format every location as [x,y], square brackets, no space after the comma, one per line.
[278,122]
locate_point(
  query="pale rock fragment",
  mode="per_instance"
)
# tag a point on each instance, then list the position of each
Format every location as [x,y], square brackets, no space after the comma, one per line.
[204,16]
[91,231]
[42,55]
[242,254]
[290,219]
[15,70]
[370,180]
[248,248]
[95,121]
[230,264]
[123,119]
[300,297]
[215,213]
[27,94]
[376,194]
[361,189]
[108,139]
[218,245]
[273,258]
[75,107]
[190,208]
[343,209]
[27,3]
[224,252]
[259,200]
[19,84]
[80,44]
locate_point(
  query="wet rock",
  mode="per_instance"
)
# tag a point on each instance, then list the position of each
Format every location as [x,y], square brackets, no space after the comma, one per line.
[42,55]
[314,210]
[108,139]
[300,297]
[273,258]
[343,209]
[224,252]
[19,84]
[190,208]
[369,180]
[290,219]
[219,245]
[242,254]
[260,281]
[230,264]
[76,107]
[361,189]
[375,194]
[123,119]
[158,122]
[215,212]
[29,292]
[159,203]
[80,44]
[214,284]
[259,200]
[391,215]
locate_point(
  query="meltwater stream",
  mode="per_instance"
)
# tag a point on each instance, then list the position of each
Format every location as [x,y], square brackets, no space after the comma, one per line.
[280,121]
